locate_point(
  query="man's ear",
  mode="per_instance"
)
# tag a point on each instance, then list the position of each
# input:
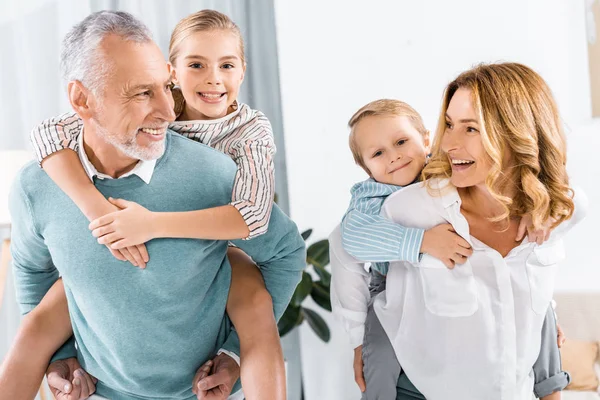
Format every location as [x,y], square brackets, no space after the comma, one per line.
[80,98]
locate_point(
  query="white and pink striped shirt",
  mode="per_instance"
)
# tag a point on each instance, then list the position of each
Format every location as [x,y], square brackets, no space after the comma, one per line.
[245,135]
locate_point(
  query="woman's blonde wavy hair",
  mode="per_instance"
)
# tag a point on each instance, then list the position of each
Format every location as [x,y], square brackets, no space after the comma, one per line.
[517,113]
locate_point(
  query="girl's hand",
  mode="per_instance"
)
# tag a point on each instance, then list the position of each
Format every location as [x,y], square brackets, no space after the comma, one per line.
[538,236]
[130,226]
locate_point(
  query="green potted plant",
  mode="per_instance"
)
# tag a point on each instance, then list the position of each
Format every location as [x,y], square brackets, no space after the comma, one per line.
[316,286]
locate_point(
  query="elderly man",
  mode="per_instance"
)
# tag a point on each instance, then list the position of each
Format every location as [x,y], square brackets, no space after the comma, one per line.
[142,333]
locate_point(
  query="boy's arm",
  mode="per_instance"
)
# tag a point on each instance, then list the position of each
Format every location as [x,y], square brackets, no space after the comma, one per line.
[370,237]
[349,289]
[33,269]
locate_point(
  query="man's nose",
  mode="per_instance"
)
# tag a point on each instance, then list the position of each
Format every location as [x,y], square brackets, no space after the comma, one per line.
[163,107]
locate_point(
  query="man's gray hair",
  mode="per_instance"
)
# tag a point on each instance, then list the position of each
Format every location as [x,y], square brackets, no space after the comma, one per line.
[80,57]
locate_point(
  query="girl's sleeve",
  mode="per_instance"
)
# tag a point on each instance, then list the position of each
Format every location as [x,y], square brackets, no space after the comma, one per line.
[252,147]
[370,237]
[55,134]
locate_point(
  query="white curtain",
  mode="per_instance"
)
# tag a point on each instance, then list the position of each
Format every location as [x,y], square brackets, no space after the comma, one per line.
[32,90]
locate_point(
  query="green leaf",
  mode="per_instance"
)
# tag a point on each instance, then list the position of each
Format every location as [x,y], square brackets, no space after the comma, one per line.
[306,234]
[303,289]
[317,323]
[320,294]
[318,253]
[291,318]
[324,275]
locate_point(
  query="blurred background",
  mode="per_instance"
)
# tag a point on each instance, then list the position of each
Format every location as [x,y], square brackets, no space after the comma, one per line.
[311,65]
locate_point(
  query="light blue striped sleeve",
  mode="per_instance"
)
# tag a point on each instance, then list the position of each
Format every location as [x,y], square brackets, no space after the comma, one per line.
[368,236]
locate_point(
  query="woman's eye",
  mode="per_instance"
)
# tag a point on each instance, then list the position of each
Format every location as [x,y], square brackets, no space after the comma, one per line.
[448,125]
[470,129]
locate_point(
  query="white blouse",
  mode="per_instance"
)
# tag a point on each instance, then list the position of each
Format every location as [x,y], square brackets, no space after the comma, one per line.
[472,332]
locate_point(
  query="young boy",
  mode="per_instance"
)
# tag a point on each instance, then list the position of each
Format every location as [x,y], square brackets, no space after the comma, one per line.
[389,141]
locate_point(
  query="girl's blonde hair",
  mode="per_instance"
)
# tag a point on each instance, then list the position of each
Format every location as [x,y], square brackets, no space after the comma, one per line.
[517,114]
[382,108]
[202,21]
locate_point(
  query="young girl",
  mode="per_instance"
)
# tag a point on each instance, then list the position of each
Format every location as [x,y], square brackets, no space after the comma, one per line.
[389,141]
[206,56]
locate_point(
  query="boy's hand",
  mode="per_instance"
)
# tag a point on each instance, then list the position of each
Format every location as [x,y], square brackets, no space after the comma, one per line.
[215,379]
[128,227]
[443,243]
[359,376]
[68,381]
[538,236]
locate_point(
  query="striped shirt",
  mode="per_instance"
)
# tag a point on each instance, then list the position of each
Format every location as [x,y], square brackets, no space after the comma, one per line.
[370,237]
[245,135]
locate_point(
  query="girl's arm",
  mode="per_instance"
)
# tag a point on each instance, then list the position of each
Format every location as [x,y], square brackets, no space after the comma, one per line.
[252,148]
[49,140]
[40,335]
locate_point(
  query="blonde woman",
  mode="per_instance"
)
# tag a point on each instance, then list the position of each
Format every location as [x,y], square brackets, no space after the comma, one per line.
[474,332]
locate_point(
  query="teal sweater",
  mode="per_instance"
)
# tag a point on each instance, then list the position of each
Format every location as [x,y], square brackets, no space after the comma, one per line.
[144,333]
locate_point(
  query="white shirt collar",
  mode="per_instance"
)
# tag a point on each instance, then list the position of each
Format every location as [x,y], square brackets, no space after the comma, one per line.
[143,169]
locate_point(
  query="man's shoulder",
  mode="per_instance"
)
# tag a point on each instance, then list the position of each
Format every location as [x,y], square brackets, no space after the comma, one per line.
[30,177]
[186,152]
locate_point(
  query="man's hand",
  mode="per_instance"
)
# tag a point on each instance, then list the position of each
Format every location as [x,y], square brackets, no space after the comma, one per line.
[443,243]
[68,381]
[359,376]
[215,379]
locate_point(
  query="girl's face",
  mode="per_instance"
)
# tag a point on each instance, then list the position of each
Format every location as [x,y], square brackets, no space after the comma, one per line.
[391,148]
[462,142]
[210,71]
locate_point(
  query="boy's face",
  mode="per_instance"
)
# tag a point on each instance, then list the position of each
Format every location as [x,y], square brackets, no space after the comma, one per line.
[391,148]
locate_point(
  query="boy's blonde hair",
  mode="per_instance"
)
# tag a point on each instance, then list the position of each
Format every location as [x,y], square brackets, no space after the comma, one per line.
[517,114]
[202,21]
[382,108]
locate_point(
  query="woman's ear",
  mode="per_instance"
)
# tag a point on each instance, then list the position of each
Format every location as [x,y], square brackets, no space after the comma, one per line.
[81,99]
[427,142]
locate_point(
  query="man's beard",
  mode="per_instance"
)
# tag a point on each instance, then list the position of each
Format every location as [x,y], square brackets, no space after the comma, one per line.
[127,144]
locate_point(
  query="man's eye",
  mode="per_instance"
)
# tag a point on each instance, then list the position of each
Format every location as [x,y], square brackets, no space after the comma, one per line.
[143,94]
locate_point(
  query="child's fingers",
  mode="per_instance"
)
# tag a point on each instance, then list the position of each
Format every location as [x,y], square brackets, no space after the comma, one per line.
[521,230]
[137,256]
[128,256]
[103,230]
[103,220]
[117,254]
[119,202]
[110,238]
[143,251]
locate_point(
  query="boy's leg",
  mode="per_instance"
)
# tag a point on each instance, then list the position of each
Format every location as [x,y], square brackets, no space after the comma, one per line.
[380,366]
[549,376]
[250,309]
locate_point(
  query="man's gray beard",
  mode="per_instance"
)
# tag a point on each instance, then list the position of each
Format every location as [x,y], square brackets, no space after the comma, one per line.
[130,148]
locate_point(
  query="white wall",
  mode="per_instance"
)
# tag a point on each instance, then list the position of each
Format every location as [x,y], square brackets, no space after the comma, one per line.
[335,57]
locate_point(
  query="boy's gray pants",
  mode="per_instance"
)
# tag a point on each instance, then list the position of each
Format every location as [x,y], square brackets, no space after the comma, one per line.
[385,379]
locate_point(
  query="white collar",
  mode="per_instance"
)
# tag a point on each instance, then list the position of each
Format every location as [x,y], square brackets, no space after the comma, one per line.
[143,169]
